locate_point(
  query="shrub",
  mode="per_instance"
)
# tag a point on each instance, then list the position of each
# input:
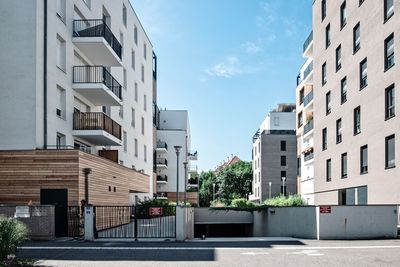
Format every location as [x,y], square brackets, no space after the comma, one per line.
[12,234]
[217,204]
[281,201]
[239,203]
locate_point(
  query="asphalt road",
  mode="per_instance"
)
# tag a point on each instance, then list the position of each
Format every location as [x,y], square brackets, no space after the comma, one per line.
[224,253]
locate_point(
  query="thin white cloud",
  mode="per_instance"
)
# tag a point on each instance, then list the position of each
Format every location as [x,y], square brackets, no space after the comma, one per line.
[226,69]
[252,47]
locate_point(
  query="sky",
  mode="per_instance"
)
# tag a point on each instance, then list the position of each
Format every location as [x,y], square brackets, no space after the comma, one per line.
[228,62]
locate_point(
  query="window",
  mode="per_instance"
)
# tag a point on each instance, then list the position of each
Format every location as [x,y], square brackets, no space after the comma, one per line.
[389,102]
[142,73]
[357,120]
[328,35]
[389,152]
[283,145]
[61,7]
[136,148]
[60,141]
[145,51]
[136,91]
[299,166]
[389,52]
[283,160]
[364,159]
[343,15]
[61,102]
[133,122]
[125,79]
[125,139]
[145,102]
[299,119]
[283,174]
[135,35]
[343,90]
[388,9]
[339,131]
[344,165]
[323,9]
[142,125]
[360,2]
[133,58]
[363,74]
[145,153]
[347,196]
[124,16]
[338,57]
[328,170]
[61,53]
[324,139]
[301,96]
[328,103]
[356,38]
[324,79]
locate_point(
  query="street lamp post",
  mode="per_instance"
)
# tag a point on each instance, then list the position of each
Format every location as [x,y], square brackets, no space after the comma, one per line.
[213,192]
[283,183]
[270,184]
[184,192]
[177,150]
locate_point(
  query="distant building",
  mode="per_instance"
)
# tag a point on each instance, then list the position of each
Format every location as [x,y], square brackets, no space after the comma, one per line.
[274,155]
[229,162]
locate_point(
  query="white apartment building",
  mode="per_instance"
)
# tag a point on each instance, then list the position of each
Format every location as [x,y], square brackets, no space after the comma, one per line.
[305,124]
[274,155]
[174,130]
[77,74]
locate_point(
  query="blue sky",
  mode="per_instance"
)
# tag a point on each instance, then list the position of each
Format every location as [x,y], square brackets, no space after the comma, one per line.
[228,62]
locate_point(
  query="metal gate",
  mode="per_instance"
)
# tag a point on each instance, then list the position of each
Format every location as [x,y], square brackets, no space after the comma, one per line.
[75,221]
[135,222]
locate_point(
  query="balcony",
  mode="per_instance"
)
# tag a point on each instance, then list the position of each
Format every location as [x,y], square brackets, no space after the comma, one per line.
[308,157]
[161,195]
[192,169]
[162,163]
[308,46]
[97,85]
[308,127]
[308,98]
[97,128]
[109,154]
[162,179]
[308,71]
[162,147]
[95,39]
[192,155]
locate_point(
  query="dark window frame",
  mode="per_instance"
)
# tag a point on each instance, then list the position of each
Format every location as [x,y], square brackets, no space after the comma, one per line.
[324,139]
[363,79]
[388,56]
[339,138]
[300,122]
[337,62]
[323,10]
[390,111]
[343,15]
[283,145]
[356,46]
[387,16]
[328,103]
[343,163]
[301,96]
[328,170]
[283,161]
[327,36]
[324,78]
[363,167]
[360,2]
[357,122]
[387,163]
[343,94]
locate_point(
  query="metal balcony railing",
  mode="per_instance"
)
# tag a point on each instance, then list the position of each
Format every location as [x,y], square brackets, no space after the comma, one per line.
[162,145]
[309,156]
[308,70]
[309,126]
[308,98]
[162,162]
[96,121]
[162,178]
[308,41]
[97,74]
[97,28]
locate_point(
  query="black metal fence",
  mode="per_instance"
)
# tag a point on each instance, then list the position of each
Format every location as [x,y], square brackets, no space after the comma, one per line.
[135,222]
[76,221]
[97,28]
[97,74]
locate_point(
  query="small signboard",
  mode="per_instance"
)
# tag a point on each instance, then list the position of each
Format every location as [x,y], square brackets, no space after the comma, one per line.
[325,209]
[22,212]
[155,211]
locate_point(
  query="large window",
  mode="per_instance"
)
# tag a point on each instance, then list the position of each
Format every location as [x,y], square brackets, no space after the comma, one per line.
[389,152]
[344,165]
[136,92]
[133,59]
[299,119]
[301,96]
[328,35]
[124,15]
[388,9]
[338,57]
[142,125]
[61,53]
[324,78]
[389,102]
[339,131]
[283,160]
[364,159]
[363,74]
[283,145]
[328,170]
[323,9]
[343,90]
[389,52]
[136,148]
[357,120]
[324,139]
[328,103]
[61,103]
[133,121]
[135,35]
[343,15]
[356,38]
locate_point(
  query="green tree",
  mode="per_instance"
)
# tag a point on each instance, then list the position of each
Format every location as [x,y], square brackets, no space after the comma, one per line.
[207,179]
[234,182]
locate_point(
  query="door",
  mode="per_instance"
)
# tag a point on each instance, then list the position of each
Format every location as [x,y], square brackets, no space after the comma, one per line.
[58,198]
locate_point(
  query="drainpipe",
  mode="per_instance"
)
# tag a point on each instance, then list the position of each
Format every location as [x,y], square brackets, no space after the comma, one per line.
[45,76]
[87,171]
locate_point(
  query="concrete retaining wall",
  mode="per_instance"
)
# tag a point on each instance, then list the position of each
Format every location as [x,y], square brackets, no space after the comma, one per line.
[210,216]
[184,223]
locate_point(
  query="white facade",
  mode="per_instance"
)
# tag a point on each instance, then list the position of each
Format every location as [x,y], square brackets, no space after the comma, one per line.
[305,125]
[75,40]
[174,130]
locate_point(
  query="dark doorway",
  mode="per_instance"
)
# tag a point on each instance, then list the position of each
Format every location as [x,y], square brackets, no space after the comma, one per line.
[58,198]
[222,230]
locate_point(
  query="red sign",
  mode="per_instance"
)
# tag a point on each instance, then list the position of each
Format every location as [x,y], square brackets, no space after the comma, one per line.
[325,209]
[155,211]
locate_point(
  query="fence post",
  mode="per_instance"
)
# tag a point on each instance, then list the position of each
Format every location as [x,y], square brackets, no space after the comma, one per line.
[89,223]
[136,224]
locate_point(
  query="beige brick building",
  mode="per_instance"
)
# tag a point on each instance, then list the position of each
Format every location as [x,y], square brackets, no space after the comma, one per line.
[356,130]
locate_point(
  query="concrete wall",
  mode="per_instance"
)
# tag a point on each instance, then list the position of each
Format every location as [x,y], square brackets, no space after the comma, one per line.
[184,223]
[40,223]
[358,222]
[210,216]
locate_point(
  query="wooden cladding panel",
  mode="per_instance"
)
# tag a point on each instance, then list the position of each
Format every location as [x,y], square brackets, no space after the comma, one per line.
[190,197]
